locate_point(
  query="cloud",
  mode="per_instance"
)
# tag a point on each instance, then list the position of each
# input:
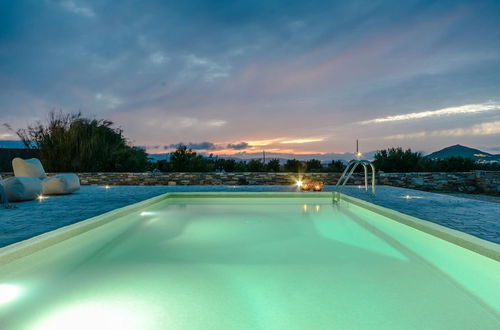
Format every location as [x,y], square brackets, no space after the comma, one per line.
[78,9]
[210,69]
[158,58]
[262,73]
[6,136]
[187,122]
[489,128]
[194,146]
[299,141]
[107,101]
[238,146]
[451,111]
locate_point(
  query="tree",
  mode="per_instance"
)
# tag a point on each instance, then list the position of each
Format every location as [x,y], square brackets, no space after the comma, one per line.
[164,166]
[397,160]
[255,165]
[228,165]
[456,164]
[70,142]
[335,166]
[273,165]
[241,166]
[314,165]
[294,165]
[186,160]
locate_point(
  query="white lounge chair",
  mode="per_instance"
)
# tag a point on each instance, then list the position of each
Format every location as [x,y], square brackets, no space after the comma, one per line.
[18,189]
[60,184]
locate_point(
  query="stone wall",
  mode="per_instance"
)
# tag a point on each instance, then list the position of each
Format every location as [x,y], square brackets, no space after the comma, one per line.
[240,178]
[481,182]
[484,182]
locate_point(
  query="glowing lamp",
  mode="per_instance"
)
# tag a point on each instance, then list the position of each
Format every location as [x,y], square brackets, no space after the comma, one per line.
[8,292]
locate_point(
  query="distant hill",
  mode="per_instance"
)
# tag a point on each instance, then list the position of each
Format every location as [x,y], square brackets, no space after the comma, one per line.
[463,151]
[12,144]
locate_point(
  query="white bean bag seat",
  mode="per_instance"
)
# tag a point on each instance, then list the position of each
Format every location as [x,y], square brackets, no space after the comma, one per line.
[61,184]
[22,188]
[28,167]
[3,193]
[56,185]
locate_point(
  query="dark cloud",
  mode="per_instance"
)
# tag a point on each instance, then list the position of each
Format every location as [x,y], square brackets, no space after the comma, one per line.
[238,146]
[194,146]
[170,70]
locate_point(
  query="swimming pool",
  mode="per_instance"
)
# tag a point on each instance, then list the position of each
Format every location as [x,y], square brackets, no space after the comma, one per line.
[251,261]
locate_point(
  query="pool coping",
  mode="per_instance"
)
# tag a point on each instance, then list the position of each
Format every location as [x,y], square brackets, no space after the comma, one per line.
[26,247]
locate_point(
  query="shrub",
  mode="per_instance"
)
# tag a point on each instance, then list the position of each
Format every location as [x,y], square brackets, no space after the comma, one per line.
[397,160]
[273,165]
[314,165]
[294,165]
[255,165]
[69,142]
[335,166]
[456,164]
[186,160]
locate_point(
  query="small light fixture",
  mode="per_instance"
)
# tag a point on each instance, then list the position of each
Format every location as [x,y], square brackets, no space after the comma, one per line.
[8,292]
[41,197]
[106,187]
[407,197]
[299,183]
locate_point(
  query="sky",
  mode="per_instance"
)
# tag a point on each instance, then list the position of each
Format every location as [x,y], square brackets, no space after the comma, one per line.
[237,77]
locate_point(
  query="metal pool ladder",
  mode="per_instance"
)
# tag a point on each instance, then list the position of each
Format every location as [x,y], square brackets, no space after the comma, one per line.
[346,175]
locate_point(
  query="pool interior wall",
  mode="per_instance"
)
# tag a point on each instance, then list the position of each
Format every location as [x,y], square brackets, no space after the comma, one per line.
[478,218]
[249,261]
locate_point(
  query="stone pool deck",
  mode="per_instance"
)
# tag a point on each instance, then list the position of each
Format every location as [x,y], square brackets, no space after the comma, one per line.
[476,217]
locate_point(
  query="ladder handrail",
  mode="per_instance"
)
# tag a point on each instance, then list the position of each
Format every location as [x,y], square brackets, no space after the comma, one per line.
[349,170]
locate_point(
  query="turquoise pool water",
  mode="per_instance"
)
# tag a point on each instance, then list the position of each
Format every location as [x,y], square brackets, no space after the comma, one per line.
[251,263]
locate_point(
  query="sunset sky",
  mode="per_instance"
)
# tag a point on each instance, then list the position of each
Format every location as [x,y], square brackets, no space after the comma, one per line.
[245,76]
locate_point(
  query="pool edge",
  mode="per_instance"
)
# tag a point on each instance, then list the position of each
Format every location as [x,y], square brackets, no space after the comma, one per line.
[26,247]
[467,241]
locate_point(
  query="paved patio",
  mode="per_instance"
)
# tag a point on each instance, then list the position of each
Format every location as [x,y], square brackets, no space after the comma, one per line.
[476,217]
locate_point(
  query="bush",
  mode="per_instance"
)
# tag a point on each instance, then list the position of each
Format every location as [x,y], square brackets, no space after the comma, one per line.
[335,166]
[228,165]
[69,142]
[456,164]
[273,165]
[314,165]
[294,165]
[255,165]
[397,160]
[186,160]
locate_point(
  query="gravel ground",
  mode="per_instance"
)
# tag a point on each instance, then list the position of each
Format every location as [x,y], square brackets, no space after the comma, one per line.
[476,217]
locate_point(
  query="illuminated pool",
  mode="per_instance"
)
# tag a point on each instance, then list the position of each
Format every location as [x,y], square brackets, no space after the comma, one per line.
[251,261]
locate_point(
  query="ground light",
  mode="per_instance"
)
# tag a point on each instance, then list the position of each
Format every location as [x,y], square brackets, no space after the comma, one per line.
[8,292]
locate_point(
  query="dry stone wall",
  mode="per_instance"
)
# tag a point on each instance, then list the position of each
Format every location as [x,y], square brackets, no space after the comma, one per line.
[485,182]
